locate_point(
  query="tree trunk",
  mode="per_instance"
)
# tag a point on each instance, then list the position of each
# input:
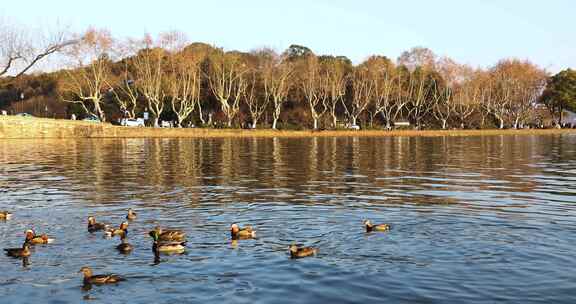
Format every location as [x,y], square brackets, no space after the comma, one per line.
[200,113]
[274,121]
[315,123]
[254,123]
[155,121]
[443,124]
[501,123]
[99,112]
[334,120]
[353,120]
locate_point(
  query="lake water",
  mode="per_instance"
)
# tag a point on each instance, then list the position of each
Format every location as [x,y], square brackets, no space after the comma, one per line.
[474,219]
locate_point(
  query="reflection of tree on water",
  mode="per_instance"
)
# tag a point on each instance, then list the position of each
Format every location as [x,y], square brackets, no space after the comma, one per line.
[229,157]
[278,171]
[351,163]
[313,156]
[397,169]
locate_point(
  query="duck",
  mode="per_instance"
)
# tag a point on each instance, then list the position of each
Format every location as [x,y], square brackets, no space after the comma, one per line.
[371,227]
[5,215]
[131,215]
[19,252]
[123,229]
[33,239]
[301,252]
[93,226]
[166,246]
[169,235]
[124,247]
[245,233]
[90,278]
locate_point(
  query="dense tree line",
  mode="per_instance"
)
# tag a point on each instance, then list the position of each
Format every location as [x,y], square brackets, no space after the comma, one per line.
[195,83]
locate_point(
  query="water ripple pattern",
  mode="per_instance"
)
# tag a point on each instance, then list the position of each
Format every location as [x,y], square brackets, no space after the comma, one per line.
[474,219]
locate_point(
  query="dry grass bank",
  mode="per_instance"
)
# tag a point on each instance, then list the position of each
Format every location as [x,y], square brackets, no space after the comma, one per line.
[22,127]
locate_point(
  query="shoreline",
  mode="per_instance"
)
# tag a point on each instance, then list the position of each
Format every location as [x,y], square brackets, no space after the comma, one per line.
[35,128]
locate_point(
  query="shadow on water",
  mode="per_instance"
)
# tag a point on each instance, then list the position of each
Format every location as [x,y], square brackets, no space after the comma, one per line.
[474,219]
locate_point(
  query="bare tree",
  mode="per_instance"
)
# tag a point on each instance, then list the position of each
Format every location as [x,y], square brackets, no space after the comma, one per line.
[419,90]
[459,96]
[276,76]
[383,76]
[125,92]
[149,63]
[336,81]
[256,102]
[184,83]
[525,82]
[150,80]
[363,90]
[314,87]
[227,82]
[481,93]
[443,106]
[466,100]
[20,51]
[418,57]
[201,51]
[87,81]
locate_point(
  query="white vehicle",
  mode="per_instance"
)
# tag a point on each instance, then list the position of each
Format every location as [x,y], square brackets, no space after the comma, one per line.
[166,124]
[132,122]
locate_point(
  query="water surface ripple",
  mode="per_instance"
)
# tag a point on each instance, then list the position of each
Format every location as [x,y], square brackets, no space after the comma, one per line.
[474,219]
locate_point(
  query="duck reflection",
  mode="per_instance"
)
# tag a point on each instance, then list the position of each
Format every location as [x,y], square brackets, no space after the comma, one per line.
[25,262]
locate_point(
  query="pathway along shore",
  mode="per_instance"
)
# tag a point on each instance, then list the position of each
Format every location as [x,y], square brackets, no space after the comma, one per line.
[30,128]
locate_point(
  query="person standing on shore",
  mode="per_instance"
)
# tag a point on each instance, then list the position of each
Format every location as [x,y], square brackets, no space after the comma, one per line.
[145,115]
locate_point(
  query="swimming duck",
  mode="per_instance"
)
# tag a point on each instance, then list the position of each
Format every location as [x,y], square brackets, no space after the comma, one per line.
[169,235]
[166,246]
[301,252]
[90,278]
[33,239]
[18,252]
[110,232]
[238,233]
[93,226]
[5,215]
[124,247]
[371,227]
[131,215]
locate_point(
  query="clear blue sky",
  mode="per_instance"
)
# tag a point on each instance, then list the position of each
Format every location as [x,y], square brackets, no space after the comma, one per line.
[477,32]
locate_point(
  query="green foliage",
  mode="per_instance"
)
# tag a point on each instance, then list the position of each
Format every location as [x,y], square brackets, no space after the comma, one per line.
[297,51]
[336,59]
[560,92]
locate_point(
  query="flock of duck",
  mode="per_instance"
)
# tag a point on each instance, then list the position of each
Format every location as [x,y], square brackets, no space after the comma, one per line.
[170,241]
